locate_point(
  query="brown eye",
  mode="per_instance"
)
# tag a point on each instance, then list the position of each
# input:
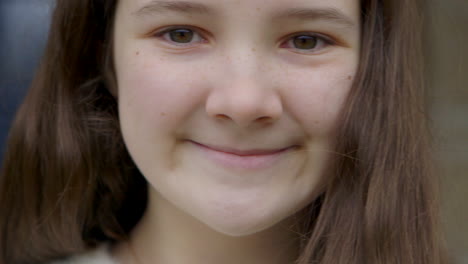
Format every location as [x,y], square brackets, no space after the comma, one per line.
[305,42]
[310,43]
[181,35]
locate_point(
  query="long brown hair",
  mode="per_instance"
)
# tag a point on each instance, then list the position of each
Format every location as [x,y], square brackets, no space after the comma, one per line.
[67,182]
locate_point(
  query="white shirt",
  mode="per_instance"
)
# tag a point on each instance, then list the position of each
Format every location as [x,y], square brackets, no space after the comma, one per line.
[100,255]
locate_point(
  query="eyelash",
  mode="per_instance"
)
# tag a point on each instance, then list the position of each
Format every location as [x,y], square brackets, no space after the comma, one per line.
[322,40]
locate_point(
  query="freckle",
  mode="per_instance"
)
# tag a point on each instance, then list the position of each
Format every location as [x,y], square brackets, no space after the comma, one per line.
[258,9]
[350,77]
[254,49]
[163,114]
[137,53]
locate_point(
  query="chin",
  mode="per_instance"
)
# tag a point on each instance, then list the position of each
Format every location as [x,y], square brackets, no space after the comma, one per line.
[240,229]
[243,224]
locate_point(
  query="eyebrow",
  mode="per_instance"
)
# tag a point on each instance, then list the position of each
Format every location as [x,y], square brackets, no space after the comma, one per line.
[328,14]
[184,7]
[191,8]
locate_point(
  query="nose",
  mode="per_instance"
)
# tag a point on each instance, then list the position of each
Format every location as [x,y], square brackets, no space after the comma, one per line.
[245,102]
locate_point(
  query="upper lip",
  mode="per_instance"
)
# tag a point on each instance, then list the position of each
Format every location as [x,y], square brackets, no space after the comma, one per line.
[247,152]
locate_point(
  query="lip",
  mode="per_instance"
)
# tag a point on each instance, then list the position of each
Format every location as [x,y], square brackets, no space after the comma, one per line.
[242,159]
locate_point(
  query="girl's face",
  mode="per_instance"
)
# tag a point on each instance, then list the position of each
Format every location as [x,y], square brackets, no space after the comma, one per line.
[228,107]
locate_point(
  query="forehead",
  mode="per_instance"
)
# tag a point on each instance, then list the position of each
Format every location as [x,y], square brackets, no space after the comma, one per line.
[344,10]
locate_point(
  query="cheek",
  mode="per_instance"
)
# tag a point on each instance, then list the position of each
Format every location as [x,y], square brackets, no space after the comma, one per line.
[317,96]
[156,93]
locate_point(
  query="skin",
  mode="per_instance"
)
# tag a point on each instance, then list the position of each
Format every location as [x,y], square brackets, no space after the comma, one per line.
[240,83]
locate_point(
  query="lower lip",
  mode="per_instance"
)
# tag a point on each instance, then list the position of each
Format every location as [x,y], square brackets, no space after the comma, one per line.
[250,162]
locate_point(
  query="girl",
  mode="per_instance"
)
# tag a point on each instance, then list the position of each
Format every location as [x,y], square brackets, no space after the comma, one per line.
[223,132]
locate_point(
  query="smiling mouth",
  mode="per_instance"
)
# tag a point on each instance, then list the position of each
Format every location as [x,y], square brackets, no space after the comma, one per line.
[251,152]
[243,159]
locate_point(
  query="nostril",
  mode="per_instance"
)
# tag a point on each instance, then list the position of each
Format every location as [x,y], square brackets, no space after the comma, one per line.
[222,117]
[263,119]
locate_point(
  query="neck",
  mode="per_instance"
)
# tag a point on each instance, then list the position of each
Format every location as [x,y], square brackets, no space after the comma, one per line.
[168,235]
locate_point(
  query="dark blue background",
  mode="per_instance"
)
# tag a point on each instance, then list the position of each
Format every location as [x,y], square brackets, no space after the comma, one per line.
[24,26]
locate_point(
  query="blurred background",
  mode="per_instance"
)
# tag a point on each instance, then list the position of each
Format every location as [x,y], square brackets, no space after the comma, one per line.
[447,76]
[23,32]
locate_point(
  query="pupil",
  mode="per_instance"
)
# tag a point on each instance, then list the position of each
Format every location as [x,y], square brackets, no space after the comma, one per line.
[181,35]
[305,42]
